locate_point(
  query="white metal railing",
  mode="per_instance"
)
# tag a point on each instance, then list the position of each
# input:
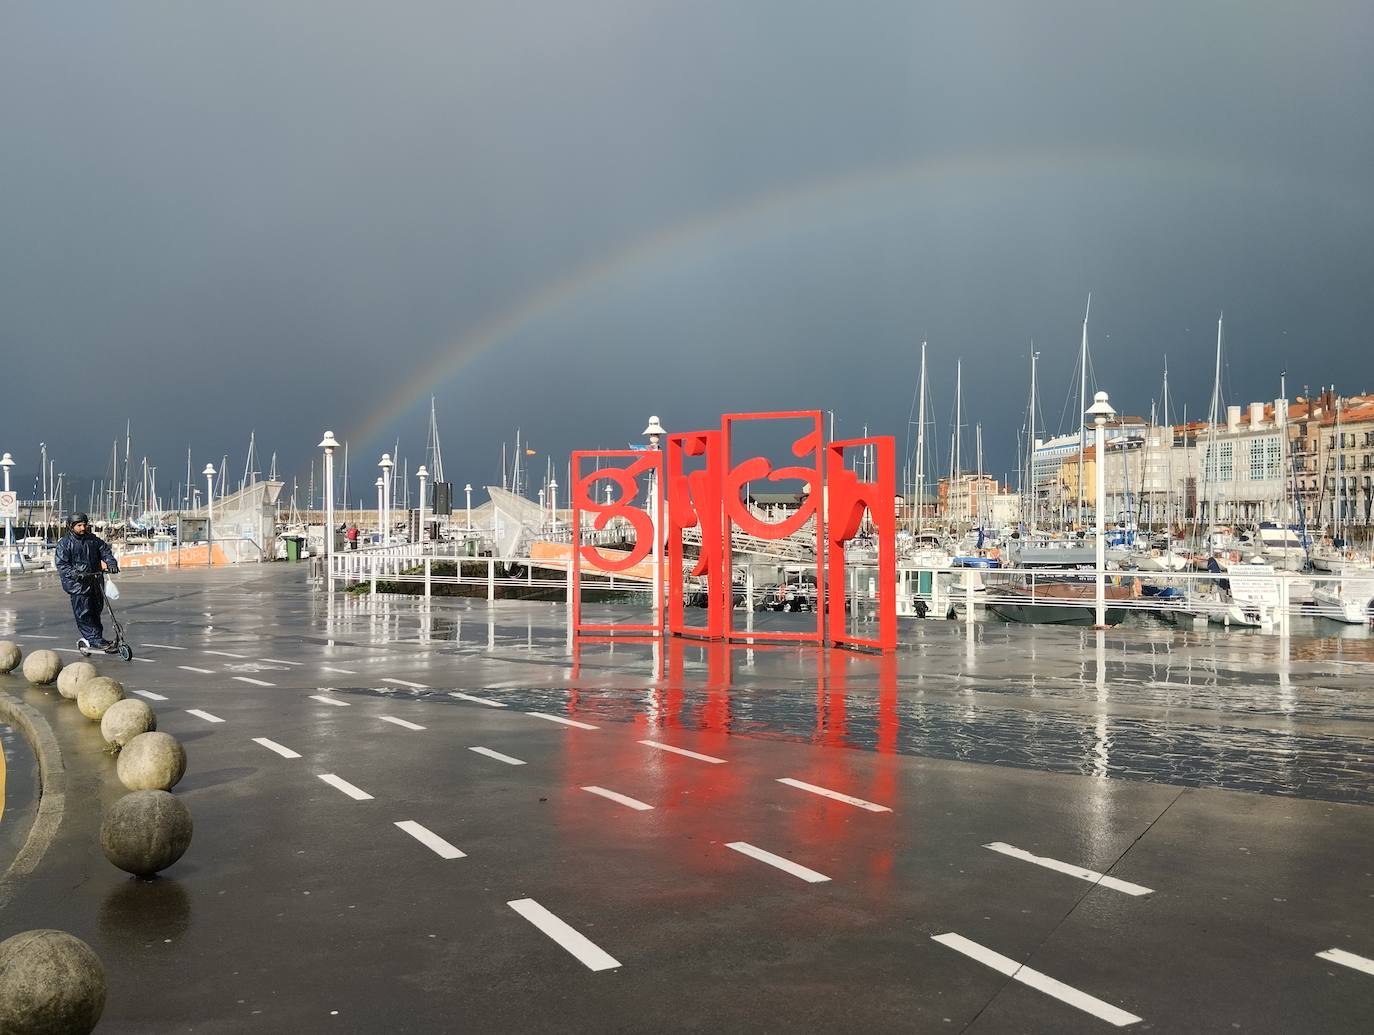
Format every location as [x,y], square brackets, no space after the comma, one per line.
[414,565]
[1269,600]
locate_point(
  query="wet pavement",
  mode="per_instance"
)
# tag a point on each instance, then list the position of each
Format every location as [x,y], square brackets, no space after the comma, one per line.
[935,861]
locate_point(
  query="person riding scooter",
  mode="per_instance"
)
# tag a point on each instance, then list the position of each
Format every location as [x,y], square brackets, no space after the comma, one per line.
[82,557]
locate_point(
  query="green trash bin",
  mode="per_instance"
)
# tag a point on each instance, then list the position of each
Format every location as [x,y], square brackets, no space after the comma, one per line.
[293,548]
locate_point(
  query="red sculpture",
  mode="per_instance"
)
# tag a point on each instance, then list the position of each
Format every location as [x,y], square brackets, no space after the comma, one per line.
[626,479]
[709,497]
[850,500]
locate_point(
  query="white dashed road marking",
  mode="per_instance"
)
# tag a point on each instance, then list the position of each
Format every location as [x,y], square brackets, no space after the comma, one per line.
[150,695]
[272,745]
[683,751]
[786,865]
[329,700]
[825,792]
[144,661]
[341,784]
[1040,982]
[475,700]
[429,839]
[255,682]
[203,715]
[278,661]
[565,722]
[224,654]
[38,636]
[401,722]
[1348,959]
[341,671]
[497,755]
[406,682]
[202,671]
[586,951]
[161,646]
[628,802]
[1081,872]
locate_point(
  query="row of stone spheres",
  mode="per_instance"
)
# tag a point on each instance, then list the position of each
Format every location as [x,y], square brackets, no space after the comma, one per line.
[51,981]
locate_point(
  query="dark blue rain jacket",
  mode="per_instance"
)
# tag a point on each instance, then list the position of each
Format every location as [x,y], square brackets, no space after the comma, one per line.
[78,561]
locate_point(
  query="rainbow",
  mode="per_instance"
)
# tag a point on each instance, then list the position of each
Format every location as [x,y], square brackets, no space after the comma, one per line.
[755,215]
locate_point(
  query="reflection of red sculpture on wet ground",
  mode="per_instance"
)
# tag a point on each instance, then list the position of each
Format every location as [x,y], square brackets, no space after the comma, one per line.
[710,497]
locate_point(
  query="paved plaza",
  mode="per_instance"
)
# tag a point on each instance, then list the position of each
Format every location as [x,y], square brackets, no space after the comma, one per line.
[450,818]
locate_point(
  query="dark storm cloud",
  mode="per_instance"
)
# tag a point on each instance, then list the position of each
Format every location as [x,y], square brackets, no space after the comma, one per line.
[225,217]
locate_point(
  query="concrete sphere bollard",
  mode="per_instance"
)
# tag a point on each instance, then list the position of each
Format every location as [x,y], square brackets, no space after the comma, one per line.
[151,762]
[145,832]
[42,666]
[50,983]
[124,720]
[72,676]
[10,656]
[94,696]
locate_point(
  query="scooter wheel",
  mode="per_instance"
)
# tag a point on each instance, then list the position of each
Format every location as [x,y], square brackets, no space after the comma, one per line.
[126,652]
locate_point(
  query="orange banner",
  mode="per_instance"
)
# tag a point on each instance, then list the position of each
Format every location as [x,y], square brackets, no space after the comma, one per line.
[189,556]
[559,555]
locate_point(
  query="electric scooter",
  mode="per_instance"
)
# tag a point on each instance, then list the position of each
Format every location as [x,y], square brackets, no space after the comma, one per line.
[119,645]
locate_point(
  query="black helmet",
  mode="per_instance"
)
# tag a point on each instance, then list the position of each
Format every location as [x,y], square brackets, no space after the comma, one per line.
[79,518]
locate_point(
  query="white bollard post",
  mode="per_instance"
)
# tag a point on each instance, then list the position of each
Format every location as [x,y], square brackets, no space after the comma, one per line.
[491,579]
[427,579]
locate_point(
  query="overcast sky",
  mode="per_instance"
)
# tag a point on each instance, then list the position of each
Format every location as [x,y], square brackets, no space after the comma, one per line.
[567,216]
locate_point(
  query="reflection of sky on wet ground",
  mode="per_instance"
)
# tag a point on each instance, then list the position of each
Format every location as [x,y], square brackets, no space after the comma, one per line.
[1231,757]
[1192,707]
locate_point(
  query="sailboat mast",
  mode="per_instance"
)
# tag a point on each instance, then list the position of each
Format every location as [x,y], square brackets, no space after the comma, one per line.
[1083,405]
[921,439]
[1281,422]
[128,447]
[955,460]
[1030,445]
[1169,498]
[434,453]
[978,483]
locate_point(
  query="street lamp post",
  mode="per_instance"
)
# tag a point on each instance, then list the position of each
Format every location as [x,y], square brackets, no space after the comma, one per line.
[329,443]
[655,432]
[422,474]
[7,462]
[1100,411]
[209,473]
[381,490]
[553,503]
[467,488]
[385,508]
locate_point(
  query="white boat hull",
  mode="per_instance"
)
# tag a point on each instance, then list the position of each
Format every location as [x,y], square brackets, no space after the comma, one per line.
[1348,601]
